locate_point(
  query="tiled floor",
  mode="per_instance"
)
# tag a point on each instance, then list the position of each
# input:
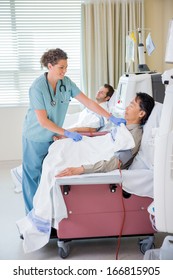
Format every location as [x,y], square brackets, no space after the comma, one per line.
[12,209]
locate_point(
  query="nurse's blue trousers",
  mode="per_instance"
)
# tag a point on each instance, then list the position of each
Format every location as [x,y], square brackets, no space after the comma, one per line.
[33,156]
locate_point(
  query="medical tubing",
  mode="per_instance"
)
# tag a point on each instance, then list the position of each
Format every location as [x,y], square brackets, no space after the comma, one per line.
[124,213]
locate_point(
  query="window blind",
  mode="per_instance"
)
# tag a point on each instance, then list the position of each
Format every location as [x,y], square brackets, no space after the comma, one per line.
[28,28]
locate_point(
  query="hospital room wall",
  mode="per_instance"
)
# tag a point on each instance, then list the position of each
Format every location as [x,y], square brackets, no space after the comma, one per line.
[158,13]
[11,119]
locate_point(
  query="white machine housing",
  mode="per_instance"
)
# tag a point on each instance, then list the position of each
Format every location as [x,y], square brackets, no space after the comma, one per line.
[128,86]
[163,167]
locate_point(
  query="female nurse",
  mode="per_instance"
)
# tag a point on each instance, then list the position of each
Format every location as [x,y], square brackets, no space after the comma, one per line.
[49,97]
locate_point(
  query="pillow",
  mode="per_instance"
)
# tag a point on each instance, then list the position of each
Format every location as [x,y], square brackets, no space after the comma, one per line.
[112,102]
[145,156]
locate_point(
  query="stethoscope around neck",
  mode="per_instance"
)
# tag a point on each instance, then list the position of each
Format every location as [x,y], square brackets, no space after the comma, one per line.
[62,87]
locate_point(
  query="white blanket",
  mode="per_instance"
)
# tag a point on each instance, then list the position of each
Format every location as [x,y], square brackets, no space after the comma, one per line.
[48,204]
[138,182]
[88,118]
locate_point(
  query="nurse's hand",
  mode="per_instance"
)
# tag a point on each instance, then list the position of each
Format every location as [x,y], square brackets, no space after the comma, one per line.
[73,135]
[117,121]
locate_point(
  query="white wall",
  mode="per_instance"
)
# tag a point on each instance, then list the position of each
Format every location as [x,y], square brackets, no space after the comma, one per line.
[11,131]
[158,13]
[11,122]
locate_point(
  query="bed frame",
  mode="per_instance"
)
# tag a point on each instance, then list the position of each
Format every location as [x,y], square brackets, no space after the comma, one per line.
[102,209]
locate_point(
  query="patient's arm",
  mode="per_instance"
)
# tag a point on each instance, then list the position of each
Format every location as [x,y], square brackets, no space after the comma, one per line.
[71,171]
[76,129]
[83,129]
[100,166]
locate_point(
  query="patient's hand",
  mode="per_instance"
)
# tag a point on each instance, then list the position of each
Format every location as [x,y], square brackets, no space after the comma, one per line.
[70,171]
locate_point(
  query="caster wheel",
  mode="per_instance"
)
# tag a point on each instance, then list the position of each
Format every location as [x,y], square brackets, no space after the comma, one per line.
[144,248]
[64,252]
[146,244]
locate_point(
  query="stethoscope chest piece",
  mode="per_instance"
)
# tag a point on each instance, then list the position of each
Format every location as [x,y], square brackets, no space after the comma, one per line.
[53,103]
[62,89]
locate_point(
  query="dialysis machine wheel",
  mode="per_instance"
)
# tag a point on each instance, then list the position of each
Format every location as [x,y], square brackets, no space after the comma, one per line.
[146,244]
[63,249]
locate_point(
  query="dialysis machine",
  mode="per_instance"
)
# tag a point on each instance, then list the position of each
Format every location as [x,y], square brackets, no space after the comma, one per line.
[163,167]
[152,84]
[161,209]
[163,161]
[130,84]
[163,175]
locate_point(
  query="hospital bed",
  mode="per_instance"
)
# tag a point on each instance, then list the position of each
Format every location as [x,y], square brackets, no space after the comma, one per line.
[109,204]
[112,204]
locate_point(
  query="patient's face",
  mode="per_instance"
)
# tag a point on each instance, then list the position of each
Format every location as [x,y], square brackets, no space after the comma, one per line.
[133,113]
[101,95]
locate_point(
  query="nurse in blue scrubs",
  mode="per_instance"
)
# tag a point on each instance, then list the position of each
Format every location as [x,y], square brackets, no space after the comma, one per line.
[49,97]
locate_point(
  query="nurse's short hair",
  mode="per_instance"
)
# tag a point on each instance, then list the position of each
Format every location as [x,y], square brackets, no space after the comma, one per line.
[52,56]
[146,103]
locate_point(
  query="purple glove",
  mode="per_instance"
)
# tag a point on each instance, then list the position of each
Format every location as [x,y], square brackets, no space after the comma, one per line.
[73,135]
[117,121]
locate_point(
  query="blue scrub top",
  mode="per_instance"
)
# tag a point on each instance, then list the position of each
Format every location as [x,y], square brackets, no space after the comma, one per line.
[40,100]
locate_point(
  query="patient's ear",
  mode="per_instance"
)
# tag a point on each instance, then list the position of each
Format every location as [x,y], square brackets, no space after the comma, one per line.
[142,114]
[107,98]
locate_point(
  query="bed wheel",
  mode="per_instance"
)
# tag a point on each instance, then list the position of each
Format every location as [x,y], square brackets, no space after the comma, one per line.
[63,249]
[146,244]
[63,254]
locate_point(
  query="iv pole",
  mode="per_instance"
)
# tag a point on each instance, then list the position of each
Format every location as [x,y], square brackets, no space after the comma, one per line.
[142,67]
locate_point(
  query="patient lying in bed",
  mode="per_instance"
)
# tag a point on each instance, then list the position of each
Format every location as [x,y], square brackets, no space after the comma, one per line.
[136,115]
[48,205]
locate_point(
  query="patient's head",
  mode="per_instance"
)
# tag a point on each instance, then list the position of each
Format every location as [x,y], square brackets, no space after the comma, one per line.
[139,109]
[104,93]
